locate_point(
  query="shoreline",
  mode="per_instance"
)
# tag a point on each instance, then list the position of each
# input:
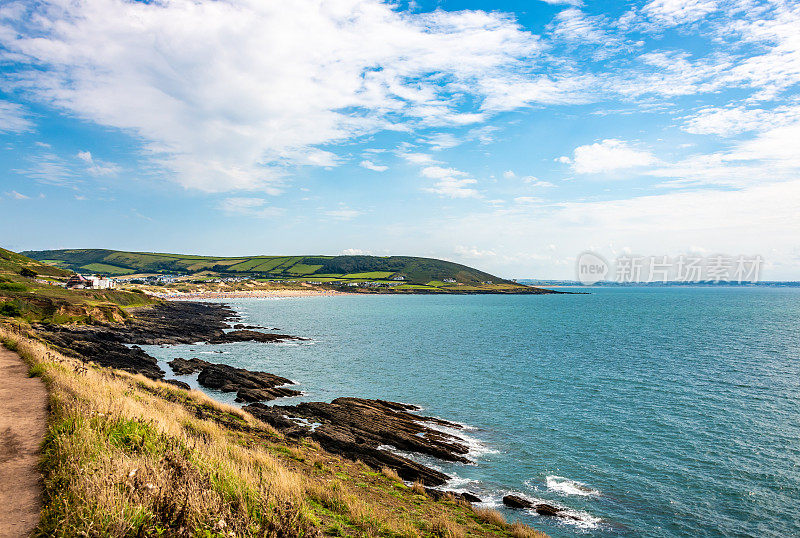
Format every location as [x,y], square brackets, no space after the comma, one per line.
[254,294]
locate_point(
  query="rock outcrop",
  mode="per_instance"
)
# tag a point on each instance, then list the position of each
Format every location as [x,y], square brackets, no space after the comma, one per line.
[161,324]
[367,430]
[543,509]
[249,386]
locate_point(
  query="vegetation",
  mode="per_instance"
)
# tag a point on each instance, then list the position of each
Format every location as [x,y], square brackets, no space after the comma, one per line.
[128,456]
[44,300]
[415,270]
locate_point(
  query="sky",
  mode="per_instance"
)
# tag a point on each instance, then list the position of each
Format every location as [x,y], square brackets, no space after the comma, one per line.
[508,136]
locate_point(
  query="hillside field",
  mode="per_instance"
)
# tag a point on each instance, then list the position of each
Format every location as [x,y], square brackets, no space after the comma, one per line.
[407,272]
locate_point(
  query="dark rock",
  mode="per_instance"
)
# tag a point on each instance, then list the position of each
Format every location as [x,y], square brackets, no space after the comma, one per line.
[251,336]
[167,323]
[249,386]
[359,429]
[544,509]
[467,496]
[437,494]
[515,501]
[181,366]
[177,383]
[265,395]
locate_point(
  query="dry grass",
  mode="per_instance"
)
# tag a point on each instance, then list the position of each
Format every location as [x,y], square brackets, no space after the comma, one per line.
[418,488]
[445,528]
[488,515]
[125,456]
[518,530]
[391,474]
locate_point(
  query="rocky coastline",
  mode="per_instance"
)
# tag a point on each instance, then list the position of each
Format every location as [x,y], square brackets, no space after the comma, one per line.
[355,428]
[371,431]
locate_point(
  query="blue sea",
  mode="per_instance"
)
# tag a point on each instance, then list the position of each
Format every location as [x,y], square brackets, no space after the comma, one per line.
[647,412]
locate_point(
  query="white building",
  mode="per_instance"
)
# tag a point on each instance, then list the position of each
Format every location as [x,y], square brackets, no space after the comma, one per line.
[101,283]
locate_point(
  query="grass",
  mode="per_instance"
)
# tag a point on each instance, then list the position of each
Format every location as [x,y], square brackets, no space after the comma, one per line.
[128,456]
[106,269]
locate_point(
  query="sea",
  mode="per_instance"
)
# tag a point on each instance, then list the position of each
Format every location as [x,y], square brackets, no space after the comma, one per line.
[658,412]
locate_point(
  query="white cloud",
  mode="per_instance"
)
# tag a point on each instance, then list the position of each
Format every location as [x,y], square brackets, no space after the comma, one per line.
[49,168]
[527,200]
[249,207]
[509,174]
[729,121]
[97,167]
[17,195]
[227,94]
[535,182]
[607,156]
[418,158]
[13,118]
[675,12]
[450,182]
[343,213]
[770,156]
[473,252]
[355,252]
[369,165]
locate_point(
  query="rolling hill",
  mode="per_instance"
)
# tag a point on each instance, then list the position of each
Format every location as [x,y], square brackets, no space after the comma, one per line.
[13,263]
[414,270]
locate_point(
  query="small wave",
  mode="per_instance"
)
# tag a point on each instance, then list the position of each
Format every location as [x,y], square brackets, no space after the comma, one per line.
[576,518]
[475,447]
[570,487]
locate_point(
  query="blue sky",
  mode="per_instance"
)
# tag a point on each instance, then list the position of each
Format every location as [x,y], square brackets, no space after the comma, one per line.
[509,136]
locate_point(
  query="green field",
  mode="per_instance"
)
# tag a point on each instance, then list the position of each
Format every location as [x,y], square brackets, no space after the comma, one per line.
[416,271]
[106,269]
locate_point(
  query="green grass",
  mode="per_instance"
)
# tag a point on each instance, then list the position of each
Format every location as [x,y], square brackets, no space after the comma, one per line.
[106,269]
[376,275]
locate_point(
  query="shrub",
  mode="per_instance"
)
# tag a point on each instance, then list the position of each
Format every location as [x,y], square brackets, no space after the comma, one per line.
[29,273]
[10,310]
[12,286]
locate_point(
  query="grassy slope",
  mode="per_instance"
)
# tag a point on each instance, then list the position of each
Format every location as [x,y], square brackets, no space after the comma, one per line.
[126,456]
[12,263]
[416,270]
[26,299]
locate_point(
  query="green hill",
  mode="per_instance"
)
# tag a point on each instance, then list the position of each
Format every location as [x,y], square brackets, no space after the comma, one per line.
[414,270]
[13,263]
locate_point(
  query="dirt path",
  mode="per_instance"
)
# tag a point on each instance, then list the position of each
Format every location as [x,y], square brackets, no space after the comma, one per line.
[23,417]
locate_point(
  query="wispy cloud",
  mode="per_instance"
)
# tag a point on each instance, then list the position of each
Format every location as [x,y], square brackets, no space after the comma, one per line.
[343,213]
[17,195]
[13,118]
[369,165]
[249,207]
[450,182]
[97,167]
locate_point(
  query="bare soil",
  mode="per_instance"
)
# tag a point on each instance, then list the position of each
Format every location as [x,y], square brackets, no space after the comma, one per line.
[23,420]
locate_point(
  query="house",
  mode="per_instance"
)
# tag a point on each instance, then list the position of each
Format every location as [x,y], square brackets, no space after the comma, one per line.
[449,280]
[100,283]
[398,277]
[78,282]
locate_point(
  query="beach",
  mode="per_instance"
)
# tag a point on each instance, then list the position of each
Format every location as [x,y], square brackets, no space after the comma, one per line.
[249,294]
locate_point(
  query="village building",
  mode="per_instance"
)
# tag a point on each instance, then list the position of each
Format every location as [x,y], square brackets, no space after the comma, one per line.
[79,282]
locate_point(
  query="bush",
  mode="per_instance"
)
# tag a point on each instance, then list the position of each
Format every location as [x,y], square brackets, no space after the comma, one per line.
[10,309]
[12,286]
[29,273]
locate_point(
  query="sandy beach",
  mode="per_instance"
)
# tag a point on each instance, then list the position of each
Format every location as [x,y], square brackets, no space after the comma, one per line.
[255,294]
